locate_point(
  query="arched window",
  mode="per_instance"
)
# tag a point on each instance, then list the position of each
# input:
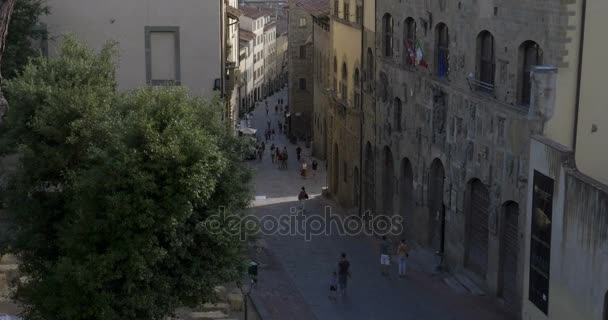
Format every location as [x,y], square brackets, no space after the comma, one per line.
[387,34]
[409,41]
[486,65]
[335,77]
[605,316]
[344,83]
[530,54]
[383,87]
[442,66]
[398,112]
[370,65]
[357,82]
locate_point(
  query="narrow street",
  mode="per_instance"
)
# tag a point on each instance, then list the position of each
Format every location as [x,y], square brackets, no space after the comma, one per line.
[293,279]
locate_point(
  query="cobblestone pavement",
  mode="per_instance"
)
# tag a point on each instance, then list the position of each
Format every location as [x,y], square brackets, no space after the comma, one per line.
[294,275]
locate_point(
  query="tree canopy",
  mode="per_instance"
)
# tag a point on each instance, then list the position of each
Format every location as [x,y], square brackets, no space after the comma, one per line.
[24,29]
[112,190]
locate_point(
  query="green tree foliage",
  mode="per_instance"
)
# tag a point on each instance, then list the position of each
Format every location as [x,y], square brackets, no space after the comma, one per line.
[23,31]
[112,192]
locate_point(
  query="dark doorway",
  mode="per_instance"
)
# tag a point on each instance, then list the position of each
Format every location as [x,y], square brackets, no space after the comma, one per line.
[356,192]
[509,258]
[369,183]
[336,171]
[435,205]
[388,182]
[476,258]
[406,194]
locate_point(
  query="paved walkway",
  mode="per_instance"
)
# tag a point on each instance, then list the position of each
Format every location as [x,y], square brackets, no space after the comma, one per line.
[293,278]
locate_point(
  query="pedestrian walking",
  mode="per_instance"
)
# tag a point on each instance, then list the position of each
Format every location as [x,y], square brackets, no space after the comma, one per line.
[276,109]
[285,157]
[315,165]
[280,126]
[303,196]
[343,274]
[268,124]
[303,169]
[403,251]
[385,258]
[272,134]
[298,152]
[260,154]
[333,286]
[266,135]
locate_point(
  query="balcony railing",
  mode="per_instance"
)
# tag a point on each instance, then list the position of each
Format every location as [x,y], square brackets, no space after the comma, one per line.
[478,85]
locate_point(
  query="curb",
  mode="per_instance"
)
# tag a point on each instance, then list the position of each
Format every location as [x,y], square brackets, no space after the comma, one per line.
[259,308]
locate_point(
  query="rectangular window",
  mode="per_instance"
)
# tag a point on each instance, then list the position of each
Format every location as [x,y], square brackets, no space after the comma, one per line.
[359,14]
[346,15]
[336,8]
[302,84]
[302,52]
[540,241]
[302,22]
[162,55]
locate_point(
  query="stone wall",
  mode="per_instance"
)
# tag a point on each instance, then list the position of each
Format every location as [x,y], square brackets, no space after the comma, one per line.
[322,49]
[456,142]
[300,100]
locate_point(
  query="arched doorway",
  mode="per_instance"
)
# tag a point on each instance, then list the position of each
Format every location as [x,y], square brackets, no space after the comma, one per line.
[476,253]
[369,183]
[509,257]
[336,171]
[356,188]
[436,208]
[388,181]
[406,194]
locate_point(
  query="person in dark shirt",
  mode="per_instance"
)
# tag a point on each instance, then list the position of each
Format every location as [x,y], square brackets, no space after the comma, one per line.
[343,274]
[298,152]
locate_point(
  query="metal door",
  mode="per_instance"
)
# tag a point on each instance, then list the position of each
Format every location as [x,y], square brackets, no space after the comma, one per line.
[477,257]
[509,258]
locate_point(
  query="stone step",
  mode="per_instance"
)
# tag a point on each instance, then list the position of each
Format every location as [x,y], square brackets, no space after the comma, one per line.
[455,285]
[236,301]
[469,284]
[221,306]
[208,315]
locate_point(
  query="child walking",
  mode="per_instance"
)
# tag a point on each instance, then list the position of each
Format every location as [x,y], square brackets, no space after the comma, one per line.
[333,286]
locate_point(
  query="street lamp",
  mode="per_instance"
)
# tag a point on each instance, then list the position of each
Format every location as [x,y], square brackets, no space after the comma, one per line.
[247,286]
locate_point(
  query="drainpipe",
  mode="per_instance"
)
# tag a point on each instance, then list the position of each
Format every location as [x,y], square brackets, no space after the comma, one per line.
[579,76]
[310,116]
[222,44]
[362,113]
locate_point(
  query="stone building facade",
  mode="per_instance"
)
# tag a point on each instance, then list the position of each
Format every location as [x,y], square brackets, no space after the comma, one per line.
[455,114]
[322,82]
[344,113]
[300,73]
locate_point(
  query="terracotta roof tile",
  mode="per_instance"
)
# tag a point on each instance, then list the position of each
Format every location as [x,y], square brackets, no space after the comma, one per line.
[254,12]
[246,35]
[317,8]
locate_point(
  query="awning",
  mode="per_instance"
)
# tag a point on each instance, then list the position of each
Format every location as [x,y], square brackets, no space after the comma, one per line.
[248,131]
[233,13]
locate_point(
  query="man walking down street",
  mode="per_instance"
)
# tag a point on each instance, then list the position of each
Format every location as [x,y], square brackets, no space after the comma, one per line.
[343,274]
[298,152]
[403,251]
[303,196]
[385,258]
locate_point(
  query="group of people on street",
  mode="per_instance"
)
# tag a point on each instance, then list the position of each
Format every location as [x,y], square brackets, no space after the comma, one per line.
[338,281]
[279,156]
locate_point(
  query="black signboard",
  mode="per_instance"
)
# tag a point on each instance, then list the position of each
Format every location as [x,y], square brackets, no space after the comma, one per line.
[540,244]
